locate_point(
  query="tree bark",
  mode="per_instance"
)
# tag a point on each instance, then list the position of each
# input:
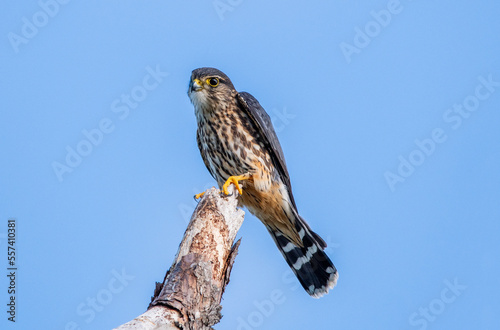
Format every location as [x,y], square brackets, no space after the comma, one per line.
[190,295]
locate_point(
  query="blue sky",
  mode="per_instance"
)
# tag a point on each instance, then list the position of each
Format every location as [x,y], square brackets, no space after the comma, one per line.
[387,112]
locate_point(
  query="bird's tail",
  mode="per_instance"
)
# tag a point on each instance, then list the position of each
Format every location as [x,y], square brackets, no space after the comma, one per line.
[311,265]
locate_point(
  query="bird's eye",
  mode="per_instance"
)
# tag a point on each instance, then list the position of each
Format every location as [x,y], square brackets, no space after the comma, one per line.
[213,82]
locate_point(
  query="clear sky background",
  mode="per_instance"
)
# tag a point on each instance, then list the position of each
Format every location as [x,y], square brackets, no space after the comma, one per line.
[387,112]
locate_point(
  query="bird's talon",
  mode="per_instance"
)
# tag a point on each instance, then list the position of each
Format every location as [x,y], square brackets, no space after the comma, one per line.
[234,180]
[198,196]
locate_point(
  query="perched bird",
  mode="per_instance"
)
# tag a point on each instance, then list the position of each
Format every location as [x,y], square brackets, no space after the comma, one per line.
[238,144]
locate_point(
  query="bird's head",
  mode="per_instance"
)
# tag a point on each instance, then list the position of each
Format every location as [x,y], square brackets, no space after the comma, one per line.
[209,88]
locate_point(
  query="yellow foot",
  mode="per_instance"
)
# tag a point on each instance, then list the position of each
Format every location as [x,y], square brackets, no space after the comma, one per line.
[198,196]
[234,180]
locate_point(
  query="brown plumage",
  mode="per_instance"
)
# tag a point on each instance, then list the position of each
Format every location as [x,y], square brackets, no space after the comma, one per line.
[237,141]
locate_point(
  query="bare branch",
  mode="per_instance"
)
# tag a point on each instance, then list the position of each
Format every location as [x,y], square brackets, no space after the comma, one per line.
[190,295]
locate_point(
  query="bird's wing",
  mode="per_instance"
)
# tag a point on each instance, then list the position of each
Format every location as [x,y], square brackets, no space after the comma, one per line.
[265,127]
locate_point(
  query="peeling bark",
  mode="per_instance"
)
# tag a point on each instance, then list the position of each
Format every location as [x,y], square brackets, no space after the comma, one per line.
[191,292]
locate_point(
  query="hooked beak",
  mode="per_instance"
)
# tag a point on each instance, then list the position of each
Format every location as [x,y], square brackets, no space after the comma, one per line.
[196,85]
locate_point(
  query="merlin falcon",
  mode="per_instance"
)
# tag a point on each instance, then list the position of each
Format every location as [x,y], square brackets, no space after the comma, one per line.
[238,145]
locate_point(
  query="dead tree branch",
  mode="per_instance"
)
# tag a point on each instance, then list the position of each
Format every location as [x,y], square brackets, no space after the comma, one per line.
[190,295]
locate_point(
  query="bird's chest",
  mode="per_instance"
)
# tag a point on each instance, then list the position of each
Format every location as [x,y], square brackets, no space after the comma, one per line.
[230,146]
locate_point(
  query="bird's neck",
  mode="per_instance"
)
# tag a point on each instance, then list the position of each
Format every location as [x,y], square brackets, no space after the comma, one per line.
[214,114]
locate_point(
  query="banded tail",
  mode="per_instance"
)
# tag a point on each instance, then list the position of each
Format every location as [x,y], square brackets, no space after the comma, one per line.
[314,270]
